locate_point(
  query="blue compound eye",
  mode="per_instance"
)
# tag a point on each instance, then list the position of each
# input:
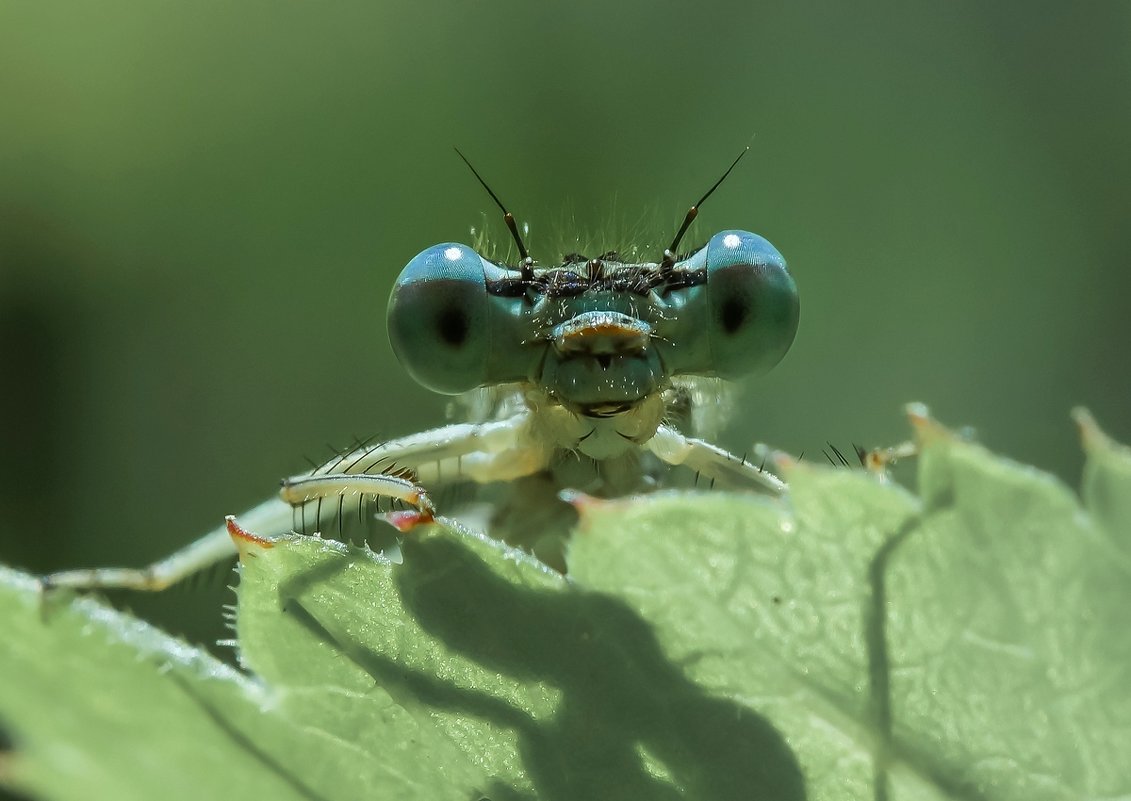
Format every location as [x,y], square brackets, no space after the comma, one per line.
[439,319]
[752,306]
[736,311]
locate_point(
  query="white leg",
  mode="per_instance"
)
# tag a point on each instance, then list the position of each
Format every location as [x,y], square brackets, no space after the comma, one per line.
[271,516]
[481,452]
[487,452]
[711,462]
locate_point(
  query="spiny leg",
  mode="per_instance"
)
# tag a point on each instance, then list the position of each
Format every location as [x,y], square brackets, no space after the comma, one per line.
[488,452]
[711,461]
[417,451]
[298,491]
[397,469]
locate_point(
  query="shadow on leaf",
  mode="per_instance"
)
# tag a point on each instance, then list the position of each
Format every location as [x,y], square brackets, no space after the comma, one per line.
[621,698]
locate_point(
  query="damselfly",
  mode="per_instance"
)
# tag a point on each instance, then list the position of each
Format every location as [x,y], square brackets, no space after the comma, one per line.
[579,368]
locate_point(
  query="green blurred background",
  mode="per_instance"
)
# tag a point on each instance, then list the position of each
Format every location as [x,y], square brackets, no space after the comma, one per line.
[203,207]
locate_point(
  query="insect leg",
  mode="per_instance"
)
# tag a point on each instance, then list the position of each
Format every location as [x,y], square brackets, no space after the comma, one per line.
[483,452]
[711,461]
[271,516]
[486,452]
[878,461]
[417,451]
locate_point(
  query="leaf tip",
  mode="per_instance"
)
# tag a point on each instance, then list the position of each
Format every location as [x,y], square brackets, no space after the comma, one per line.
[247,543]
[927,429]
[586,505]
[1092,437]
[1094,440]
[405,521]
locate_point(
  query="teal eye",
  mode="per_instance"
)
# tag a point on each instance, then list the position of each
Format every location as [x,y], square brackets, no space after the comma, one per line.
[737,313]
[752,300]
[441,321]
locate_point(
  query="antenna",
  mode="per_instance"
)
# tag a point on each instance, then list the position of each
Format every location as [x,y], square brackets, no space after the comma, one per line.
[692,213]
[508,218]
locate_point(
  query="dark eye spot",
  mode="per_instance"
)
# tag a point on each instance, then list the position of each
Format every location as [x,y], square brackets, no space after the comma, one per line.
[453,326]
[733,314]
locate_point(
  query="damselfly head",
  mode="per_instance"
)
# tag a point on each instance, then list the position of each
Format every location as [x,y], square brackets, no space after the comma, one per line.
[596,335]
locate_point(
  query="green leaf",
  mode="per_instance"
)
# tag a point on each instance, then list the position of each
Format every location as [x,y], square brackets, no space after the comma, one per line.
[855,642]
[99,706]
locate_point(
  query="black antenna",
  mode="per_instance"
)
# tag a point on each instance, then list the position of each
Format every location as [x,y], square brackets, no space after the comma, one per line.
[508,218]
[692,213]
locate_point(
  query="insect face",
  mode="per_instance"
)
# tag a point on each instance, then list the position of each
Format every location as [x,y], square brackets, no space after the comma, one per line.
[600,340]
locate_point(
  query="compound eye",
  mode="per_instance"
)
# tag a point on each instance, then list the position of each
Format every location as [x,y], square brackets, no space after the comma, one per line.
[439,319]
[752,304]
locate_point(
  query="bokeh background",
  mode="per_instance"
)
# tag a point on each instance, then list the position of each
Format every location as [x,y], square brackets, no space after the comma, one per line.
[203,207]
